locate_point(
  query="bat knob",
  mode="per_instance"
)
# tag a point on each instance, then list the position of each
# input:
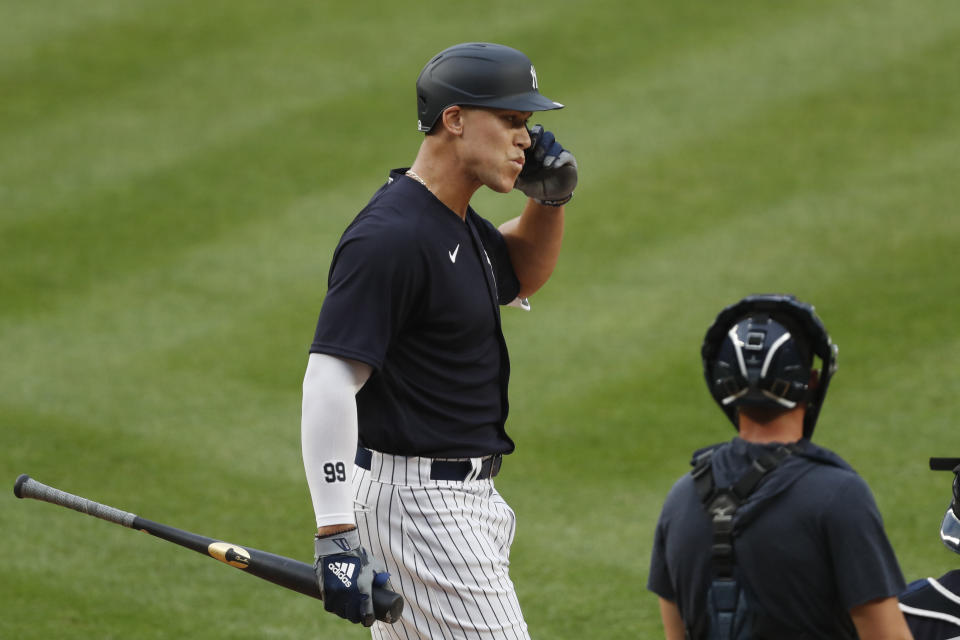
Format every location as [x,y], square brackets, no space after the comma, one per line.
[387,605]
[18,487]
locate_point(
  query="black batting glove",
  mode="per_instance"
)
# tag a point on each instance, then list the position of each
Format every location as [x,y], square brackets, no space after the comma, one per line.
[346,574]
[549,173]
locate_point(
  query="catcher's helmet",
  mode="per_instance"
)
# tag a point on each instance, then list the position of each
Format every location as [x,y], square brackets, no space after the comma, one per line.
[950,527]
[759,352]
[478,74]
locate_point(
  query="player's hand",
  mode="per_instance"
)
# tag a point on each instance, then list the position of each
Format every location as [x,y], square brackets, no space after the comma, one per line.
[346,574]
[549,173]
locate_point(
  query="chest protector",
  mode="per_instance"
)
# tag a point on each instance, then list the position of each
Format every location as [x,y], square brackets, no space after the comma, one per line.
[732,611]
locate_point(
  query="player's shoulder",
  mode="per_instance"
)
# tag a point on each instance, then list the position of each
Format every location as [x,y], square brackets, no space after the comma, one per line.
[841,482]
[827,463]
[834,492]
[402,208]
[390,207]
[387,221]
[681,493]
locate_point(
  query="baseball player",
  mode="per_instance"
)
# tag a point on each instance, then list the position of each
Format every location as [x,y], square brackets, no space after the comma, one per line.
[405,393]
[789,523]
[932,605]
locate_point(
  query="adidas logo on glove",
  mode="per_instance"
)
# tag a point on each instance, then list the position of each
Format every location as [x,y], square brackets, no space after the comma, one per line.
[343,570]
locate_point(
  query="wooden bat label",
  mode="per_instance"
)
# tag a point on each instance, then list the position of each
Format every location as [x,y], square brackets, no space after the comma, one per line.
[230,553]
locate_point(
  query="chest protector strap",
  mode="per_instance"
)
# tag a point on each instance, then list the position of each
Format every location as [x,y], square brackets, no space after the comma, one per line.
[721,505]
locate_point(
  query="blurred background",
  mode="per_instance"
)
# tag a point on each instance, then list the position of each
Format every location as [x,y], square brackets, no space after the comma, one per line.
[174,176]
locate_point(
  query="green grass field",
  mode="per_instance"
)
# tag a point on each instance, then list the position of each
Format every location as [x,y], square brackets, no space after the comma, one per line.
[173,179]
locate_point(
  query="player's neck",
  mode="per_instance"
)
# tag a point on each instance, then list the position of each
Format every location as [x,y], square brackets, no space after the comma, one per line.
[441,174]
[785,427]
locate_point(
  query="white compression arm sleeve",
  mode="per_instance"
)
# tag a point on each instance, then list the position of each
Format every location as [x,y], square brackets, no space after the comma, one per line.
[328,434]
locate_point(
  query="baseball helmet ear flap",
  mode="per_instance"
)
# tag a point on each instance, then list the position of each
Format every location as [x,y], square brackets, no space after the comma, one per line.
[759,352]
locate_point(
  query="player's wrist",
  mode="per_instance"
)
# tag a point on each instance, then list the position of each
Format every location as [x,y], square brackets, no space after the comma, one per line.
[558,202]
[336,543]
[331,529]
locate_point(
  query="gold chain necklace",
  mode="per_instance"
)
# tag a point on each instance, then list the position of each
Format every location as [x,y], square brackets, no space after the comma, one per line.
[413,174]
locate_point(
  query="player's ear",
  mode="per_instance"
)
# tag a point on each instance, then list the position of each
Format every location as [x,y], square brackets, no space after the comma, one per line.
[452,120]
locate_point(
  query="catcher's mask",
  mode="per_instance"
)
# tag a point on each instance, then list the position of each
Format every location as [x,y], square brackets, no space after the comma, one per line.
[759,352]
[950,527]
[478,74]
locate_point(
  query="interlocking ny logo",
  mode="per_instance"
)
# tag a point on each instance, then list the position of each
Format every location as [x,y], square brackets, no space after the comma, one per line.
[533,74]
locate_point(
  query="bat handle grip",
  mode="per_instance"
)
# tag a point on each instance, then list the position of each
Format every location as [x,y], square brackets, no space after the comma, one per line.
[387,605]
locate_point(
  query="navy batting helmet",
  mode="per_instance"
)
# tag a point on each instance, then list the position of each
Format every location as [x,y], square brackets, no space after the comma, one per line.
[759,352]
[478,74]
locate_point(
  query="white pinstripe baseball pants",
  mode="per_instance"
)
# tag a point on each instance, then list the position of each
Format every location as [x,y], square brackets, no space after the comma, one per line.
[446,545]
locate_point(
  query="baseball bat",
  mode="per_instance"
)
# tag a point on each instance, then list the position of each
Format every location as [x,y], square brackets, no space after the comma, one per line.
[280,570]
[944,464]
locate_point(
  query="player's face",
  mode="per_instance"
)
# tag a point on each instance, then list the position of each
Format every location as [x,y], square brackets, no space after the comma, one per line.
[494,142]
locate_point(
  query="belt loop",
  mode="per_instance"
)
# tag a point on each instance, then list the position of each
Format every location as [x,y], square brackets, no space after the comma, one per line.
[476,466]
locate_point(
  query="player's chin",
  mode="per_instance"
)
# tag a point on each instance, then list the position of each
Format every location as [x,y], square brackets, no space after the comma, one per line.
[506,182]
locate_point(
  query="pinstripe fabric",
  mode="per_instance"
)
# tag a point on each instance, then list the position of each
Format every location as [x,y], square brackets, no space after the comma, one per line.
[446,545]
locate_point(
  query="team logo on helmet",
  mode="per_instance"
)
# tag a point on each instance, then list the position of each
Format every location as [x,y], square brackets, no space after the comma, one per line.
[533,74]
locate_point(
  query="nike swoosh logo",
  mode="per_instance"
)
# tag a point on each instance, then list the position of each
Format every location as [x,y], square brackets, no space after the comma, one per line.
[453,254]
